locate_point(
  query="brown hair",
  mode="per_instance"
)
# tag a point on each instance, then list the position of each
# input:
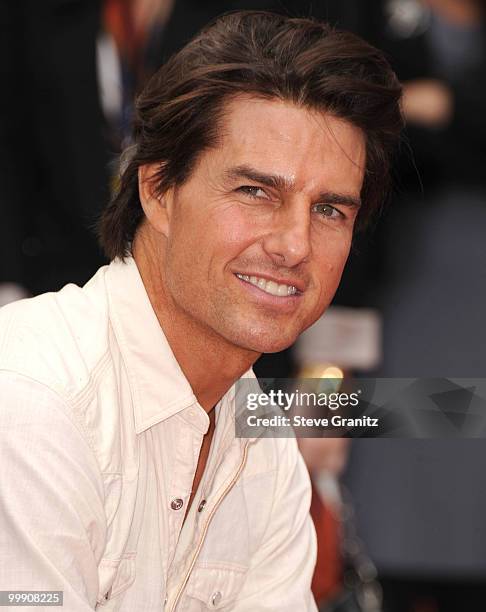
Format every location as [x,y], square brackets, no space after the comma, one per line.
[264,54]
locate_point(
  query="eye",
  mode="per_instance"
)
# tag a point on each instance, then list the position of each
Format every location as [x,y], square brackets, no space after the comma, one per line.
[253,191]
[326,210]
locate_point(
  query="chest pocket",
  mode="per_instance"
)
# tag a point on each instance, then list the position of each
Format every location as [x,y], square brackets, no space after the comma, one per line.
[117,571]
[115,577]
[212,589]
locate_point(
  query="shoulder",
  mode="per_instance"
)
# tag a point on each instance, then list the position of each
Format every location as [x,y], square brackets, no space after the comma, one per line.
[57,338]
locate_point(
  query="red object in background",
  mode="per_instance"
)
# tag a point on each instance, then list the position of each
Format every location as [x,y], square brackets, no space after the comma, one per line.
[327,579]
[118,18]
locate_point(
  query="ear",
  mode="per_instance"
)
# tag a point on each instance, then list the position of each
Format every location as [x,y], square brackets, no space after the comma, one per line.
[157,207]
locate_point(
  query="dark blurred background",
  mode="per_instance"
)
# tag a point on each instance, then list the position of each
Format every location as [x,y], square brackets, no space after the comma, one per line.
[414,290]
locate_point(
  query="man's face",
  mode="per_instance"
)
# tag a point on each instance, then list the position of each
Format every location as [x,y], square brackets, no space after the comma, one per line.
[258,236]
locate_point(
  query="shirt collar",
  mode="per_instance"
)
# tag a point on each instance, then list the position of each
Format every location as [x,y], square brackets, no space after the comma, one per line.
[158,386]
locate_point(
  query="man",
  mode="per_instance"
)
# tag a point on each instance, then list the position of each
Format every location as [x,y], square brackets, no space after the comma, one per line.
[256,148]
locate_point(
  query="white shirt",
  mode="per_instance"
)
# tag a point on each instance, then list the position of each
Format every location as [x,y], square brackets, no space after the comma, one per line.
[100,434]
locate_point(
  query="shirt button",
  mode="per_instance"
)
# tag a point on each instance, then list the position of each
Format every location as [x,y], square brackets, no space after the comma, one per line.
[201,505]
[216,598]
[176,504]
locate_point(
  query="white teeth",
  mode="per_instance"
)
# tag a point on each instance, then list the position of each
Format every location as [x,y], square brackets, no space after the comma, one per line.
[269,286]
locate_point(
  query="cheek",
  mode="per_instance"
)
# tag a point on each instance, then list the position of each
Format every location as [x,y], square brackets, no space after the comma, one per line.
[332,250]
[339,261]
[231,232]
[331,259]
[203,243]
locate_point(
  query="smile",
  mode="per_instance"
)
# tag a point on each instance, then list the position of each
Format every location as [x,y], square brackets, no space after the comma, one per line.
[268,286]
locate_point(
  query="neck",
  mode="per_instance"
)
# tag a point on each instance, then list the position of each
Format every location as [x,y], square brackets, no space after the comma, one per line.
[210,363]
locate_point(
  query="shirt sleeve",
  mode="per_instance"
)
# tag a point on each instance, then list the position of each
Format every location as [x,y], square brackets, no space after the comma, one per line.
[281,571]
[52,521]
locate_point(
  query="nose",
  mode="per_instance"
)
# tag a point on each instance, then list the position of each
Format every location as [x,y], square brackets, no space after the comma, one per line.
[287,241]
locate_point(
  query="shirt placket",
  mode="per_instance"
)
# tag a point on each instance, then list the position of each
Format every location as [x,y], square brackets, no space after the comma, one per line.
[219,493]
[227,459]
[186,432]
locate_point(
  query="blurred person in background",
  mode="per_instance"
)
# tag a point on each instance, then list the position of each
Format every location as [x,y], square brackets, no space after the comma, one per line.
[71,69]
[421,504]
[127,56]
[53,147]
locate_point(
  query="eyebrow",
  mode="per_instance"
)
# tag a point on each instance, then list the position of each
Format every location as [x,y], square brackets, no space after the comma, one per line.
[282,183]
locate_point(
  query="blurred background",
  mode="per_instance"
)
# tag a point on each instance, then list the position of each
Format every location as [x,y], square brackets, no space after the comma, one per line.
[401,523]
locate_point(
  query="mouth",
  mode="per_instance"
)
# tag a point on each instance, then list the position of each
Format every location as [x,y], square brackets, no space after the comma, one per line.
[270,287]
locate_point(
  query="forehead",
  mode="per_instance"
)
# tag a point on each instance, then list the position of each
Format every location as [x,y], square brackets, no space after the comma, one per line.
[313,150]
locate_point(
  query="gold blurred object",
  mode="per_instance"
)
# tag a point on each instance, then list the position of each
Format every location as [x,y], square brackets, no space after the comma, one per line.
[331,375]
[320,370]
[333,372]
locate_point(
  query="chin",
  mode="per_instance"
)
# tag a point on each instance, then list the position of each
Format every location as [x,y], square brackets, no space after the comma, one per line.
[263,342]
[276,346]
